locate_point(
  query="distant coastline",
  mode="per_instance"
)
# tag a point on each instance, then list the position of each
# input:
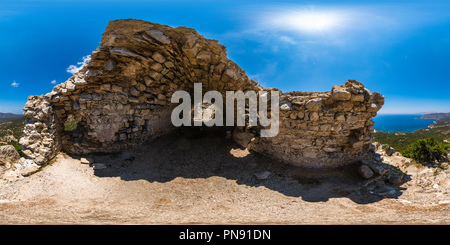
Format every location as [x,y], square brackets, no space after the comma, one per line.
[436,116]
[401,123]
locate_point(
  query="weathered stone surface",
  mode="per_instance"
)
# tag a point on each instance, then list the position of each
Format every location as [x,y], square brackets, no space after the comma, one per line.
[18,169]
[8,155]
[121,97]
[365,171]
[285,105]
[389,150]
[339,93]
[27,167]
[86,160]
[314,104]
[263,175]
[159,36]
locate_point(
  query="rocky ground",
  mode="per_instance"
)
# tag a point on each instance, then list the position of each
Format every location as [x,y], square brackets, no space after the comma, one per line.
[201,177]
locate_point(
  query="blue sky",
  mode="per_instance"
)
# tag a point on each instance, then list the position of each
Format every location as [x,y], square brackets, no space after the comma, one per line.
[398,48]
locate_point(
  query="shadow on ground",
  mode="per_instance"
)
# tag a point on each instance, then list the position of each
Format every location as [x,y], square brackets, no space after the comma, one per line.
[190,153]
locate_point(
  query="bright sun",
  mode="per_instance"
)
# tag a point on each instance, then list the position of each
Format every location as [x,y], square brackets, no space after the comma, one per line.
[312,22]
[308,21]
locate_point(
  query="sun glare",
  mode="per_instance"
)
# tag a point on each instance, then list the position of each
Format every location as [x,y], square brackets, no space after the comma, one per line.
[311,22]
[308,21]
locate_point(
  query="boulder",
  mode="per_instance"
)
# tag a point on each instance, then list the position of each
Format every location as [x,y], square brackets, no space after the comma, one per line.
[8,155]
[27,167]
[389,150]
[365,171]
[379,170]
[396,177]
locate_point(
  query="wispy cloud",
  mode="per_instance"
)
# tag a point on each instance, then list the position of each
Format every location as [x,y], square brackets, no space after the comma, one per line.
[288,40]
[75,68]
[53,82]
[15,84]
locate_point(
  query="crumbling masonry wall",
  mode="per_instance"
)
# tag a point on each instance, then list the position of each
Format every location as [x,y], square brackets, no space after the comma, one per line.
[327,129]
[121,98]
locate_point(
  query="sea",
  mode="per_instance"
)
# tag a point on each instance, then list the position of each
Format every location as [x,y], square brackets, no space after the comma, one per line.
[401,123]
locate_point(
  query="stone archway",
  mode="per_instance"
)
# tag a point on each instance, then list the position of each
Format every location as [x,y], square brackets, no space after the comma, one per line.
[121,97]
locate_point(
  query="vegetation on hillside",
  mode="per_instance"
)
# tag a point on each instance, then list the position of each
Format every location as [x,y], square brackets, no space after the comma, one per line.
[427,150]
[11,132]
[4,117]
[400,141]
[423,145]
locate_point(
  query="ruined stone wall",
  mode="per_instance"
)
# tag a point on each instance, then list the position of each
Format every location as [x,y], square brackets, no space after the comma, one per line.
[121,97]
[323,129]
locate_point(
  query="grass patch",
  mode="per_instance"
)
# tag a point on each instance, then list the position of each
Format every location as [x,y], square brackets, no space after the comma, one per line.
[71,123]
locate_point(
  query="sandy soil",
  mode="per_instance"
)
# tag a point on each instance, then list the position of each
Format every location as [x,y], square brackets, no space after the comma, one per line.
[188,178]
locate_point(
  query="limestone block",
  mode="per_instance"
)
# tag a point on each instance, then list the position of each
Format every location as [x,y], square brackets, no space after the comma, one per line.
[357,97]
[352,119]
[373,107]
[159,36]
[133,100]
[293,115]
[141,86]
[116,88]
[340,117]
[155,75]
[106,86]
[340,94]
[314,104]
[204,57]
[158,58]
[110,64]
[285,105]
[365,171]
[157,67]
[169,65]
[314,116]
[148,81]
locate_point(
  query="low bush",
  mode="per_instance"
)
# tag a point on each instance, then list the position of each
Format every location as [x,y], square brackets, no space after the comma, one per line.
[427,150]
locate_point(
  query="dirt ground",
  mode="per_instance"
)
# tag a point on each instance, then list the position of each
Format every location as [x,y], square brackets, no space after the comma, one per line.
[192,178]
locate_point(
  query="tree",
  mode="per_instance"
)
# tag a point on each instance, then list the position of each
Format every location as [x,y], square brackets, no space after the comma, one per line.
[427,150]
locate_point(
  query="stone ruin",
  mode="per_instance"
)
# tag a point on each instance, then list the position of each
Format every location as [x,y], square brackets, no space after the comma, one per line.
[122,97]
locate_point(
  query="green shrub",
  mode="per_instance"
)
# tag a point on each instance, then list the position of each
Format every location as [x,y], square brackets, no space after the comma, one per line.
[71,123]
[427,150]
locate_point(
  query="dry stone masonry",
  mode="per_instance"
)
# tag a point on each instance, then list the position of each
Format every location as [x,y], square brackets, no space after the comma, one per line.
[121,98]
[324,129]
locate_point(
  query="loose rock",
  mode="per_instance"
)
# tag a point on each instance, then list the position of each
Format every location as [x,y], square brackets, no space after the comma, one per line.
[365,171]
[263,175]
[97,166]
